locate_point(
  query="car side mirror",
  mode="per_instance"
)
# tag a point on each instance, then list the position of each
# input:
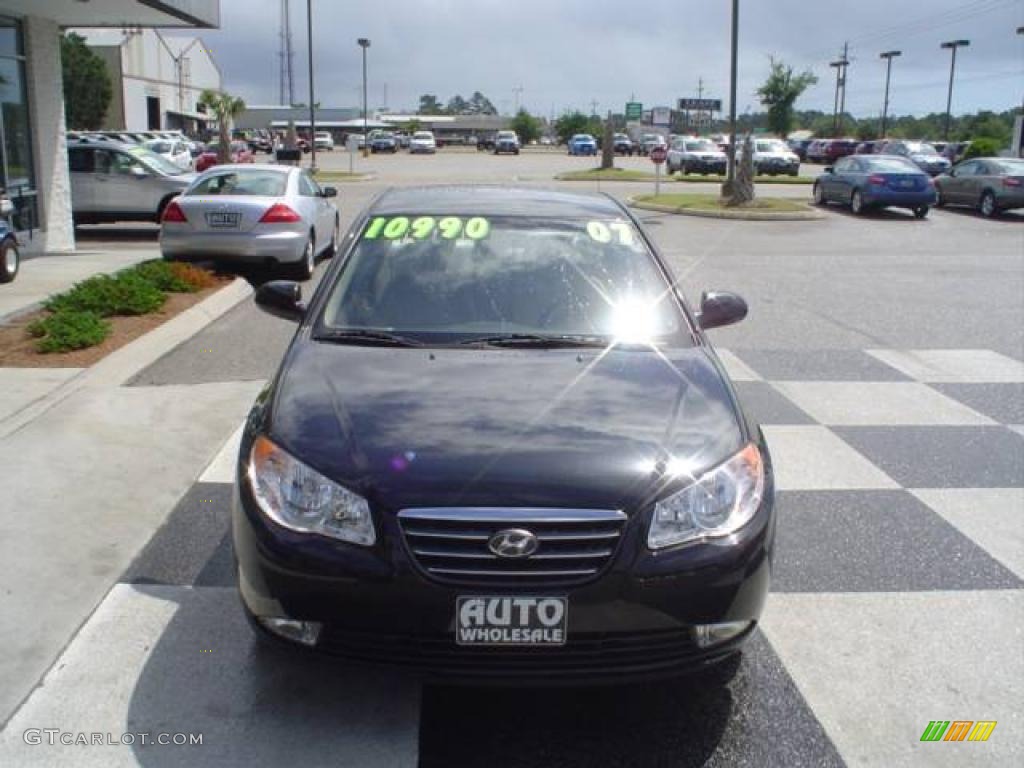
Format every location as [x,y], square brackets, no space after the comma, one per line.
[718,308]
[330,192]
[138,172]
[281,298]
[829,169]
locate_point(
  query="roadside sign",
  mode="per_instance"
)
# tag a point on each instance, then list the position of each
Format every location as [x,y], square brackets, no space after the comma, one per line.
[661,116]
[697,105]
[658,155]
[634,110]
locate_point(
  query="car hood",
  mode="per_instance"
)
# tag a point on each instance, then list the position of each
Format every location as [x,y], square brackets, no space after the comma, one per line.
[412,427]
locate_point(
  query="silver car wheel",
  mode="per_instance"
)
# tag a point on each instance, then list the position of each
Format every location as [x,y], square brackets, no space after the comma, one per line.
[819,195]
[988,205]
[856,202]
[10,263]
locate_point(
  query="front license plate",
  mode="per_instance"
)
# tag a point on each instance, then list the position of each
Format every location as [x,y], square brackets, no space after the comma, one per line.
[907,183]
[511,620]
[221,220]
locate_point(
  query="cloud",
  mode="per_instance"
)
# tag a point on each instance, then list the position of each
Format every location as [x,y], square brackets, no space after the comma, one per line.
[567,53]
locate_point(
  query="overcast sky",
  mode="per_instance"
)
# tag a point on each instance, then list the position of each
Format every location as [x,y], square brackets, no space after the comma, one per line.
[564,54]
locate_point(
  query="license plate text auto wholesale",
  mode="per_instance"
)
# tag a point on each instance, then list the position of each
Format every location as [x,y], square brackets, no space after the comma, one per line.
[511,620]
[222,220]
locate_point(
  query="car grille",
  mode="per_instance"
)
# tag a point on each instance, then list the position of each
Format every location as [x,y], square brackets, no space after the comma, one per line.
[451,544]
[583,654]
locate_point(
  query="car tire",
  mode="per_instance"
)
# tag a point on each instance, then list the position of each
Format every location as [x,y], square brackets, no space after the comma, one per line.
[921,211]
[10,261]
[857,203]
[818,193]
[987,205]
[303,270]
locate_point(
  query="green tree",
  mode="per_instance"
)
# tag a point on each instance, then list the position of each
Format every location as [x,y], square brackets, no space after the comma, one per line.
[526,126]
[225,108]
[480,105]
[429,105]
[780,92]
[569,124]
[87,86]
[457,105]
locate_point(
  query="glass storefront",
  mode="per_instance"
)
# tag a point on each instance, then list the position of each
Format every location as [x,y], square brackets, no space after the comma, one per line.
[16,167]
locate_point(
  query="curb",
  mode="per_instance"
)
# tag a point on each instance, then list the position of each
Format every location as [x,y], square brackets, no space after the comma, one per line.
[123,364]
[809,215]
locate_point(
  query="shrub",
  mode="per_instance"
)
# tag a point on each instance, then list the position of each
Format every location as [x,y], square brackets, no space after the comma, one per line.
[163,276]
[68,329]
[126,293]
[983,147]
[197,277]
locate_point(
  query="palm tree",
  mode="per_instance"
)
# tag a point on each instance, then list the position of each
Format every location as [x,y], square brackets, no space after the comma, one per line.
[225,108]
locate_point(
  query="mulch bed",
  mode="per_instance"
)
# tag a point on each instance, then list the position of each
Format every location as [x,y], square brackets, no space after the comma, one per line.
[18,349]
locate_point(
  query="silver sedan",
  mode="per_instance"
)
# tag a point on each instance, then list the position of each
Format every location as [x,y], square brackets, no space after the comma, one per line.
[258,214]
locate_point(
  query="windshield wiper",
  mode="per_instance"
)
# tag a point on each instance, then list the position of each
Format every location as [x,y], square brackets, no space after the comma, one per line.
[367,337]
[538,340]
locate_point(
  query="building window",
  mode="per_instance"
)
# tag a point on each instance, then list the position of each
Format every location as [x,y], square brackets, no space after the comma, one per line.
[17,173]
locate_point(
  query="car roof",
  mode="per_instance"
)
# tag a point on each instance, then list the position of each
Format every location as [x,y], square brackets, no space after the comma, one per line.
[493,201]
[105,142]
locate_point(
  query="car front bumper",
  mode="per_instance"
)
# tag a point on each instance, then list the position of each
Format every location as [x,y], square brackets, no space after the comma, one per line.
[698,165]
[636,619]
[282,246]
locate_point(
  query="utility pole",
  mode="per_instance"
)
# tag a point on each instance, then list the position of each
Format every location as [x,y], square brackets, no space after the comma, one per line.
[286,94]
[952,45]
[312,101]
[840,106]
[364,43]
[888,56]
[593,107]
[731,178]
[518,91]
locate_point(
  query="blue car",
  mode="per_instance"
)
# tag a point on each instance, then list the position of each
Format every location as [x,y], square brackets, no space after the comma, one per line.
[876,181]
[582,144]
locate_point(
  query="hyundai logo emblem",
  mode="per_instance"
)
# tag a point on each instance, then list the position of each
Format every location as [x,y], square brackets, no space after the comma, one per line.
[513,542]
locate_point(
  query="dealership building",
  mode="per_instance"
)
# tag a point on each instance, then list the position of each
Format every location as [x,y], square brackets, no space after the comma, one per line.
[33,151]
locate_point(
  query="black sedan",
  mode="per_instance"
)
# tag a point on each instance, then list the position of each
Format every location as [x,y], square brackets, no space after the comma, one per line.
[876,181]
[500,446]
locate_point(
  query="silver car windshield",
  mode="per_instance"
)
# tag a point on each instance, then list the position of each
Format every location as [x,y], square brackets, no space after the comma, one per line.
[257,182]
[154,162]
[473,275]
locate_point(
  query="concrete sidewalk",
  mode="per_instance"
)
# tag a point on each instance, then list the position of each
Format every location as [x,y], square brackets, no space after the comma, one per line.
[43,276]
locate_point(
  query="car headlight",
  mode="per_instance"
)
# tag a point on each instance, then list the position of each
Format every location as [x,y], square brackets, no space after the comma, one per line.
[716,504]
[299,498]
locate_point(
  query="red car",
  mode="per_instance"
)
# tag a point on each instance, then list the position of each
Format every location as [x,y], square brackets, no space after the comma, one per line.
[240,153]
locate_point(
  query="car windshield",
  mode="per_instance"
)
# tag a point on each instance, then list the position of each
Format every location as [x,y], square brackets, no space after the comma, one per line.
[422,135]
[883,164]
[506,135]
[154,162]
[158,146]
[771,146]
[262,182]
[700,146]
[922,149]
[453,278]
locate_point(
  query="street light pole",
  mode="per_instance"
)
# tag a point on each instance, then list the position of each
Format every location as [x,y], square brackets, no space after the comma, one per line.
[364,43]
[888,56]
[312,107]
[731,177]
[952,45]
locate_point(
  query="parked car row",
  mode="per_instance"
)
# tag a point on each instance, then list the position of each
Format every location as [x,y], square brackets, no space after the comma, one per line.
[142,138]
[990,184]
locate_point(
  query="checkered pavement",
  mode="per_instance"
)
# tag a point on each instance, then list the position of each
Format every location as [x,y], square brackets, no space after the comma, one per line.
[897,599]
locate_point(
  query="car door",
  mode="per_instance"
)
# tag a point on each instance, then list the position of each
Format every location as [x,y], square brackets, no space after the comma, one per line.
[81,166]
[129,186]
[844,178]
[957,189]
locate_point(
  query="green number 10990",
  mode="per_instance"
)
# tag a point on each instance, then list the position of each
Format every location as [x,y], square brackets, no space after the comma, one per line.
[424,227]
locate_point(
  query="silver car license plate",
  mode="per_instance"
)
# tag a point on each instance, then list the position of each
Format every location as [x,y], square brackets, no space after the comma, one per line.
[222,220]
[511,620]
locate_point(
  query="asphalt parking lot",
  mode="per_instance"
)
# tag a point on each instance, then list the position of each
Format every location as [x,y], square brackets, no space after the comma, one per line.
[884,358]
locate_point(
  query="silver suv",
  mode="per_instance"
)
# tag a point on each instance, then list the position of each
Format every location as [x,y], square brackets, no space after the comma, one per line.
[115,181]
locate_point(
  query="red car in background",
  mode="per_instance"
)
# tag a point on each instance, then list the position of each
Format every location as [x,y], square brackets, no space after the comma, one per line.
[240,153]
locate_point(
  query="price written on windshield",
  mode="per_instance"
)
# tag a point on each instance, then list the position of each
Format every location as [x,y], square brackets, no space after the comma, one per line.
[423,227]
